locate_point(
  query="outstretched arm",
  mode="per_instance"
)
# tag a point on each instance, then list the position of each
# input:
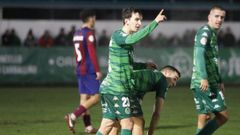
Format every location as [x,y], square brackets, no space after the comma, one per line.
[132,39]
[158,106]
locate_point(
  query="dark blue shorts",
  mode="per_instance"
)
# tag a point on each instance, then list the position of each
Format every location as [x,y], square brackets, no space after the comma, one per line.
[87,84]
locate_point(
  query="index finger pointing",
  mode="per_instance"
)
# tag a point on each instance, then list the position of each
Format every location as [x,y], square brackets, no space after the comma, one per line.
[161,11]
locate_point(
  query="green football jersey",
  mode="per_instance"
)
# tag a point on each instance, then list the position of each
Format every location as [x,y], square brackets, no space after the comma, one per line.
[148,80]
[120,64]
[205,58]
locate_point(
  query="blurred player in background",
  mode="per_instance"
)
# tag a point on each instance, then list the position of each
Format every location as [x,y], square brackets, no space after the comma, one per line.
[88,72]
[117,88]
[206,83]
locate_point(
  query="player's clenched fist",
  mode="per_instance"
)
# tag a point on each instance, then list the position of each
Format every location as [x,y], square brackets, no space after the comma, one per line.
[160,17]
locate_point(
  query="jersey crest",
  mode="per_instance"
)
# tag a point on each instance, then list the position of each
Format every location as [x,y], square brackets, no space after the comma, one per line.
[203,40]
[91,38]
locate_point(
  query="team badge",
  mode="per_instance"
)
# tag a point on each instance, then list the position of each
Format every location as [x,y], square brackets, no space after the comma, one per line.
[203,41]
[127,110]
[91,38]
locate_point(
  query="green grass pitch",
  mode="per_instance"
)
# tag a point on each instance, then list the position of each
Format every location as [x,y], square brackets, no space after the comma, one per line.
[41,110]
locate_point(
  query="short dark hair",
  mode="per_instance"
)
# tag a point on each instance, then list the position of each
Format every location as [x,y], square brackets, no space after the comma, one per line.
[85,14]
[172,69]
[127,13]
[217,7]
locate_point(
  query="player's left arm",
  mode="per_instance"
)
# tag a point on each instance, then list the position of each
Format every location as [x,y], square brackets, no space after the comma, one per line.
[222,87]
[221,84]
[131,39]
[92,53]
[158,106]
[161,92]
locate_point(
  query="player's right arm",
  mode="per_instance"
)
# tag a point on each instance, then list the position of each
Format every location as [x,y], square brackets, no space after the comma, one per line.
[201,42]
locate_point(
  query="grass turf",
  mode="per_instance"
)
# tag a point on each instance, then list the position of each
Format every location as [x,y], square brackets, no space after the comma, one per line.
[40,110]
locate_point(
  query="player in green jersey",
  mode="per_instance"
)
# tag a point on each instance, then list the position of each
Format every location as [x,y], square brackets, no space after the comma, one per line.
[147,80]
[117,87]
[206,83]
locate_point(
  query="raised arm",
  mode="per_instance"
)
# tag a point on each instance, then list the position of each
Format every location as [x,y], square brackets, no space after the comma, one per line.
[130,39]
